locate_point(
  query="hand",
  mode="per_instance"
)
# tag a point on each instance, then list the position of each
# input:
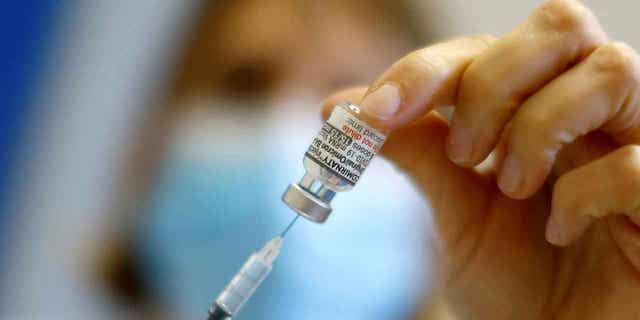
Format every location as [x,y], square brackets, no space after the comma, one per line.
[559,106]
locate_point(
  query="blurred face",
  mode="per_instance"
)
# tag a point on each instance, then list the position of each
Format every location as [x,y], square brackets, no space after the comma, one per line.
[233,152]
[276,48]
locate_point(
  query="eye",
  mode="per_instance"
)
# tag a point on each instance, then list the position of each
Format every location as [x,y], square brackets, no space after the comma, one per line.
[253,78]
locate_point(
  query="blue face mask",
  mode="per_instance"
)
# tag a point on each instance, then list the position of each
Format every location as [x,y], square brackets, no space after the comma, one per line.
[206,212]
[217,199]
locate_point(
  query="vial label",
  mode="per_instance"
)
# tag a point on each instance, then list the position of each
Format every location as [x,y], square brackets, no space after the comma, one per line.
[345,145]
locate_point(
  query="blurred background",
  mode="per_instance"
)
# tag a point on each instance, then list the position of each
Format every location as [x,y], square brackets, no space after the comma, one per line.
[145,144]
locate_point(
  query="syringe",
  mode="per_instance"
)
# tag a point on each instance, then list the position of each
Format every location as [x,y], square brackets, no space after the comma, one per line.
[247,280]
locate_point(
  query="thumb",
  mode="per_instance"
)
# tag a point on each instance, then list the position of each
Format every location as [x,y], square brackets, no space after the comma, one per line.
[418,150]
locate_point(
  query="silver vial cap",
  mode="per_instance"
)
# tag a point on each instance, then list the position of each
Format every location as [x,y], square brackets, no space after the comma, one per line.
[306,204]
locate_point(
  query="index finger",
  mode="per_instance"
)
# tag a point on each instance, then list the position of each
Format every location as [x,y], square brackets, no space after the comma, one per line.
[422,80]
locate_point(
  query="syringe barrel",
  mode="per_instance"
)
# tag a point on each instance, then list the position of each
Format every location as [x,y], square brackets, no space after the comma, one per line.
[243,284]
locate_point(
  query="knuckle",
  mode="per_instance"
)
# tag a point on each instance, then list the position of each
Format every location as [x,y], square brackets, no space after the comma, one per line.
[566,195]
[631,159]
[628,169]
[563,14]
[478,80]
[624,165]
[568,16]
[569,196]
[534,120]
[428,62]
[416,63]
[531,128]
[617,58]
[633,150]
[484,39]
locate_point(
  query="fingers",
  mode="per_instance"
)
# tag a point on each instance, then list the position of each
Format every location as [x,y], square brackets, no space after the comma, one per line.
[418,149]
[610,185]
[557,34]
[405,145]
[420,81]
[520,83]
[599,92]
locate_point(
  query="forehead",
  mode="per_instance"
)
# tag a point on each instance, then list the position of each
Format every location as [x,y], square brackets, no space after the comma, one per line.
[279,27]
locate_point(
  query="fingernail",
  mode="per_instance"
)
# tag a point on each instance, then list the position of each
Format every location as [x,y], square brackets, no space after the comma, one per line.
[459,146]
[383,102]
[510,178]
[554,231]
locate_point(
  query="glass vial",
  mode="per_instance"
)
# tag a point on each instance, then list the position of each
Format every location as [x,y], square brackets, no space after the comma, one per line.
[334,162]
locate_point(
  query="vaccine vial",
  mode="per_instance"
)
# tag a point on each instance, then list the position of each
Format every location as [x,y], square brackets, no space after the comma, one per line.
[334,162]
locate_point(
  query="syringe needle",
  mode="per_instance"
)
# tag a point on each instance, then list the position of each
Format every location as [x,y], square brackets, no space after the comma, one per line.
[289,226]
